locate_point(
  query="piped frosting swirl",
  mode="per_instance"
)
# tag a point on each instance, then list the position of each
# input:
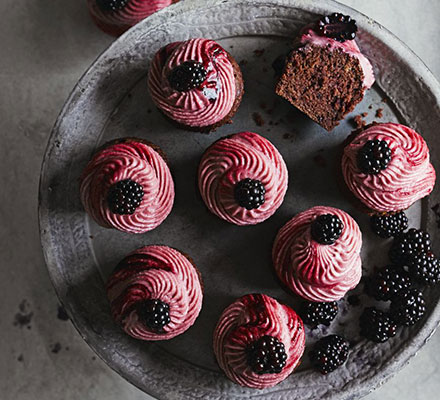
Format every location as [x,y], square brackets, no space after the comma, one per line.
[202,106]
[408,177]
[156,273]
[248,319]
[117,22]
[314,271]
[135,160]
[232,159]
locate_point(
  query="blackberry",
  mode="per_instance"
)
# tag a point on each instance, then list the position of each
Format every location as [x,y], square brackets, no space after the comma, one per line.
[405,245]
[337,26]
[249,193]
[111,5]
[327,228]
[374,157]
[389,225]
[266,355]
[387,282]
[124,197]
[314,314]
[329,353]
[408,307]
[187,76]
[424,268]
[376,325]
[154,314]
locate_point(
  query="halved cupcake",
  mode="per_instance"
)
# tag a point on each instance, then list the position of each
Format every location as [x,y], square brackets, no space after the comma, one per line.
[155,293]
[128,186]
[243,178]
[196,84]
[258,342]
[326,75]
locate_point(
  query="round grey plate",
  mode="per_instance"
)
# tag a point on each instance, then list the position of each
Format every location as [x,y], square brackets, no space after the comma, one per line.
[111,100]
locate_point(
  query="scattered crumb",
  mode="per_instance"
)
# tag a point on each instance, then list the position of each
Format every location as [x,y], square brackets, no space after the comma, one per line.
[358,122]
[364,114]
[258,119]
[353,300]
[93,358]
[231,46]
[384,100]
[67,348]
[20,358]
[370,106]
[61,314]
[55,348]
[242,63]
[379,113]
[289,136]
[258,52]
[91,237]
[320,161]
[24,317]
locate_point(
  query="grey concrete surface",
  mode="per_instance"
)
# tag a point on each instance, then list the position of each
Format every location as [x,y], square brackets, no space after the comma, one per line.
[45,46]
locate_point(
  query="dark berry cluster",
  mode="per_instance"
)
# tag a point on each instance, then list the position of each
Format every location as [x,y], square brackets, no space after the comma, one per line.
[408,307]
[373,157]
[408,244]
[249,193]
[154,314]
[424,268]
[314,314]
[266,355]
[111,5]
[387,282]
[186,76]
[389,225]
[326,229]
[337,26]
[124,197]
[377,325]
[329,353]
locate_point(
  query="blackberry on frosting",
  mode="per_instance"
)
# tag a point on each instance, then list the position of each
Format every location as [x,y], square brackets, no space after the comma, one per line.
[326,228]
[125,196]
[338,26]
[249,193]
[111,5]
[267,355]
[374,156]
[187,76]
[154,313]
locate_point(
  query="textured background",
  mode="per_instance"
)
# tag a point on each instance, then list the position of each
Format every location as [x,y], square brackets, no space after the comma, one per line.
[45,46]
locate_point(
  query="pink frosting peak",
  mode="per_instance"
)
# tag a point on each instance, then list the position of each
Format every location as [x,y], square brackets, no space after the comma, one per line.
[128,159]
[117,22]
[350,47]
[247,320]
[155,273]
[199,107]
[232,159]
[314,271]
[408,177]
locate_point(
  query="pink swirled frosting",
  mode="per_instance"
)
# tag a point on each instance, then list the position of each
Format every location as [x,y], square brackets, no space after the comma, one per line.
[314,271]
[117,22]
[128,159]
[232,159]
[248,319]
[156,273]
[309,36]
[408,177]
[199,107]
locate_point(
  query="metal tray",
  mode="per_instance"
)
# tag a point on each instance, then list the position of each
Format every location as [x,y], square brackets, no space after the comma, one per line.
[111,100]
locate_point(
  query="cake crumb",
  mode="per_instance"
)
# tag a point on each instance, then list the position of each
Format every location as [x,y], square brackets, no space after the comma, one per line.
[20,358]
[364,114]
[320,161]
[379,113]
[258,52]
[370,106]
[55,348]
[258,119]
[289,136]
[242,63]
[24,317]
[358,122]
[231,46]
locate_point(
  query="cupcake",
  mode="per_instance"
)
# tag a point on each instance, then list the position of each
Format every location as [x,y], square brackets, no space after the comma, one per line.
[316,255]
[258,342]
[155,293]
[326,75]
[196,84]
[128,186]
[116,16]
[243,178]
[387,167]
